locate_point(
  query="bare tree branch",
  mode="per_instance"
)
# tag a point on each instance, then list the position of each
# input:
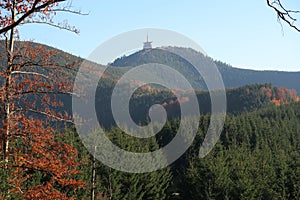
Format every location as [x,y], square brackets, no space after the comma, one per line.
[284,14]
[33,9]
[49,115]
[49,65]
[46,92]
[63,25]
[66,10]
[30,73]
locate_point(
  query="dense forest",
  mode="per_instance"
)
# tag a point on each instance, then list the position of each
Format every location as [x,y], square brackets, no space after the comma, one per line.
[257,157]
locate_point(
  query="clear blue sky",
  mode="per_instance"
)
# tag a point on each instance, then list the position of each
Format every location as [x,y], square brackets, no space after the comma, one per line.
[245,34]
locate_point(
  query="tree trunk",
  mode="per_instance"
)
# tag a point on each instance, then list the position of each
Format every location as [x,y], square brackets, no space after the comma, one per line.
[7,103]
[93,175]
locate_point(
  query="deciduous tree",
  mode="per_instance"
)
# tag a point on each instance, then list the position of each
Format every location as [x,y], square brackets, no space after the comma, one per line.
[35,164]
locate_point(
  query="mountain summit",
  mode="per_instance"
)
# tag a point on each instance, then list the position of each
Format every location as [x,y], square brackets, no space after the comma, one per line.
[232,77]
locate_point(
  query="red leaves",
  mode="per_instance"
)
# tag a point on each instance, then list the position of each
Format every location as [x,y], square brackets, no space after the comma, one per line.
[32,80]
[8,5]
[285,95]
[44,154]
[41,167]
[280,95]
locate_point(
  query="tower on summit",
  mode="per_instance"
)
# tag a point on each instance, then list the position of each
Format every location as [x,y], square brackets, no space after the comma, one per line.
[147,44]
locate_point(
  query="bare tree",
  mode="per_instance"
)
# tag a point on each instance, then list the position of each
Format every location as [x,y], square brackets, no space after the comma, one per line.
[284,14]
[15,13]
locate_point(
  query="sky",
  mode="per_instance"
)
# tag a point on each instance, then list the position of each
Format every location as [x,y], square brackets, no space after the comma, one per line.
[245,34]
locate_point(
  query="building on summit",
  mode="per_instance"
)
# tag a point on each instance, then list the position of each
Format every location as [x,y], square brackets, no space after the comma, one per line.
[147,44]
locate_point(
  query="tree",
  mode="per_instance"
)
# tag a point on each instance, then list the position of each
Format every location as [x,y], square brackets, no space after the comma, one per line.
[35,164]
[284,14]
[122,185]
[15,13]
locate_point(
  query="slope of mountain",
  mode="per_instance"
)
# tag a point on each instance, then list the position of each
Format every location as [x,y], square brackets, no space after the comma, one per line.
[232,77]
[246,98]
[239,100]
[235,77]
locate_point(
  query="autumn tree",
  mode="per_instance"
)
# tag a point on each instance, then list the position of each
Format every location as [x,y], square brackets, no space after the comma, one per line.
[35,164]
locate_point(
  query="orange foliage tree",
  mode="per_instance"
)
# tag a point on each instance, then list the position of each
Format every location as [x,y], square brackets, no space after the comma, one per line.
[34,163]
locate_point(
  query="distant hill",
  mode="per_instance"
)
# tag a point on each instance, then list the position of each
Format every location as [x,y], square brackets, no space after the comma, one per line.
[232,77]
[239,100]
[245,94]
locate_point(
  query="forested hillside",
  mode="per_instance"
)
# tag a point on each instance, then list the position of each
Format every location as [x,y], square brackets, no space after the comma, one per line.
[232,77]
[243,99]
[257,157]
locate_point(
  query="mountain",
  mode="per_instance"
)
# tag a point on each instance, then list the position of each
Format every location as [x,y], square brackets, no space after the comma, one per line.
[245,93]
[232,77]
